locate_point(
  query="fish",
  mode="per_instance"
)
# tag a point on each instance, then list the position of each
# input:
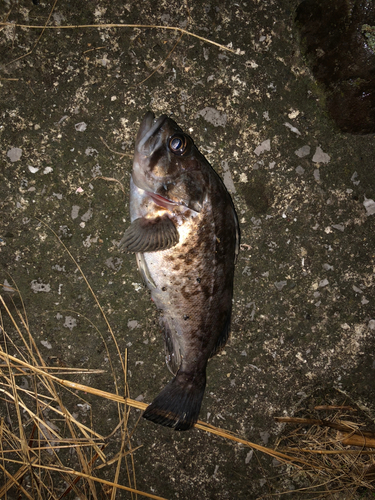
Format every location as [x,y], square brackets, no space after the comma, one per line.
[185,234]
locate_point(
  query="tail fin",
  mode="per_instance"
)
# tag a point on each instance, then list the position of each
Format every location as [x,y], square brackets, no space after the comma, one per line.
[179,403]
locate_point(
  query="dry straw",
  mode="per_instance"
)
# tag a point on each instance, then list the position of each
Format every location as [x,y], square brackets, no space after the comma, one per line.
[339,455]
[119,26]
[46,449]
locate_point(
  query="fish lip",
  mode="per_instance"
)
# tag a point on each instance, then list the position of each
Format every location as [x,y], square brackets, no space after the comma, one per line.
[162,201]
[148,128]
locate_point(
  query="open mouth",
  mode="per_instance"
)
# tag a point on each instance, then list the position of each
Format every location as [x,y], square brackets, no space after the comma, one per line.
[161,201]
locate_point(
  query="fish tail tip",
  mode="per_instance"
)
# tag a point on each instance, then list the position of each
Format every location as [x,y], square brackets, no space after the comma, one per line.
[179,403]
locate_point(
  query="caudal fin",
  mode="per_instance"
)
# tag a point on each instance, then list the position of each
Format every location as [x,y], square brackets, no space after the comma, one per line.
[179,403]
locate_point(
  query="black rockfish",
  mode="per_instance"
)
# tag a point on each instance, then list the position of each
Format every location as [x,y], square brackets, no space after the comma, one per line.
[184,231]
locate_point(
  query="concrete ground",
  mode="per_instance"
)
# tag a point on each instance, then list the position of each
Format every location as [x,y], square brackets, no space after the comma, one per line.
[304,312]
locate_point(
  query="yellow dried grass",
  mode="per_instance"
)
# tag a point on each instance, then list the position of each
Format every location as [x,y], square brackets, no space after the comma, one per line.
[331,462]
[29,452]
[119,25]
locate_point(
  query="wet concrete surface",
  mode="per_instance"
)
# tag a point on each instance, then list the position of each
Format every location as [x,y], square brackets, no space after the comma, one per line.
[303,315]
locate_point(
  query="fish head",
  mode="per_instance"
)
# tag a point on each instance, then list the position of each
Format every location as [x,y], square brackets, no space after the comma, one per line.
[166,164]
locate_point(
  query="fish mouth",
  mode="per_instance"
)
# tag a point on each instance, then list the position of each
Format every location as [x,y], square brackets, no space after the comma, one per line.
[151,137]
[149,128]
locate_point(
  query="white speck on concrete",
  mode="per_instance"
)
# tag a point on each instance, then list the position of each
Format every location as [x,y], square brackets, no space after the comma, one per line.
[215,471]
[264,146]
[304,151]
[371,324]
[7,287]
[249,456]
[114,263]
[252,314]
[62,119]
[280,285]
[137,286]
[59,18]
[213,116]
[369,205]
[339,227]
[254,367]
[14,154]
[85,407]
[80,127]
[353,179]
[37,287]
[265,436]
[87,215]
[46,344]
[75,211]
[300,170]
[293,129]
[57,267]
[88,240]
[133,324]
[32,169]
[357,290]
[70,322]
[320,156]
[227,177]
[251,64]
[246,271]
[323,283]
[90,151]
[293,114]
[47,170]
[243,178]
[95,171]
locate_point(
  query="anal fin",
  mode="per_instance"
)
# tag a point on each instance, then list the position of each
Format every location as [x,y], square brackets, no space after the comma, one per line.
[149,235]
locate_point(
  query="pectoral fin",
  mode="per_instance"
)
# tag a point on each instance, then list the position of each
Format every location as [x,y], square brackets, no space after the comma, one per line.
[149,235]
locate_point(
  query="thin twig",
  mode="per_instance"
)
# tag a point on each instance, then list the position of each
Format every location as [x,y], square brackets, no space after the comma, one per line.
[129,155]
[161,64]
[323,423]
[101,26]
[39,37]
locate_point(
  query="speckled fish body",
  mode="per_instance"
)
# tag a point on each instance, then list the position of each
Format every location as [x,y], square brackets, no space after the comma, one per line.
[185,235]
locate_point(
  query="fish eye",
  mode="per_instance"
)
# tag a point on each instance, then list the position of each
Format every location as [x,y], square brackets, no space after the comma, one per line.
[178,144]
